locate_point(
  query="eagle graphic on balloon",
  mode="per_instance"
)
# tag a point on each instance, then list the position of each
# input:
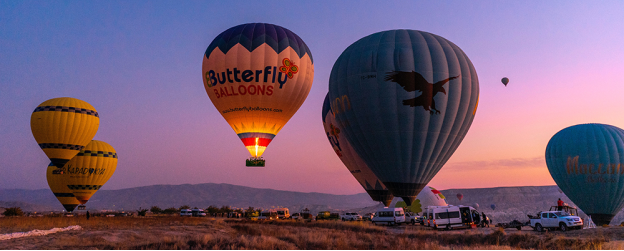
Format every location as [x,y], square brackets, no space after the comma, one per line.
[413,81]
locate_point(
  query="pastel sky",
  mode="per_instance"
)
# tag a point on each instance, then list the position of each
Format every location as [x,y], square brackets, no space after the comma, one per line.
[139,64]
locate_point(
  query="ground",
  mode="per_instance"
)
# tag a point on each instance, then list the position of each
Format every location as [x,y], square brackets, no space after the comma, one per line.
[174,232]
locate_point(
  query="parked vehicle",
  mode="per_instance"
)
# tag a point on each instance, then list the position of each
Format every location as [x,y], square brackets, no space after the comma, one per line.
[326,215]
[268,215]
[351,217]
[186,212]
[427,215]
[295,216]
[368,216]
[282,213]
[555,219]
[412,218]
[306,215]
[389,216]
[198,213]
[450,217]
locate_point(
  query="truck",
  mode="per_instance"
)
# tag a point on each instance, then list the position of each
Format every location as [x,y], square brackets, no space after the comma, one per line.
[412,218]
[282,213]
[563,220]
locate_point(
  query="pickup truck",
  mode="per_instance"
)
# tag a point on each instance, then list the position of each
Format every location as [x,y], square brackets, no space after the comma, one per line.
[351,217]
[412,218]
[555,219]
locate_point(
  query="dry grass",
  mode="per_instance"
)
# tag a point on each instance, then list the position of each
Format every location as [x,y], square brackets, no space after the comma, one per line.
[209,233]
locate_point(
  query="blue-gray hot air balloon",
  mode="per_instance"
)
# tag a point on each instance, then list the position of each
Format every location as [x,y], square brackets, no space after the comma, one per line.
[373,186]
[587,163]
[493,206]
[405,100]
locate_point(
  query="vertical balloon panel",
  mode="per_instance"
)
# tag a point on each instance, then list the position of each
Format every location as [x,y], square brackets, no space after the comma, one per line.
[354,163]
[405,99]
[57,181]
[587,163]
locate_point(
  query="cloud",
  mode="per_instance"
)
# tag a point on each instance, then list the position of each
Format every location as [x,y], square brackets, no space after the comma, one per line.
[500,163]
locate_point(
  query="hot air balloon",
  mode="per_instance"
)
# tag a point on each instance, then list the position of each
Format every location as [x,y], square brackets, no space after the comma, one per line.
[587,163]
[375,189]
[57,180]
[404,99]
[460,196]
[257,76]
[90,169]
[493,206]
[63,126]
[476,205]
[505,81]
[429,196]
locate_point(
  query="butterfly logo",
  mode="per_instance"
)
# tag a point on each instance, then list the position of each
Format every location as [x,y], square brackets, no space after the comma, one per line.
[289,68]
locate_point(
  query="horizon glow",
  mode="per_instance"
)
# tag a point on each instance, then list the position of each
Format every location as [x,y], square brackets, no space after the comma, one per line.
[139,64]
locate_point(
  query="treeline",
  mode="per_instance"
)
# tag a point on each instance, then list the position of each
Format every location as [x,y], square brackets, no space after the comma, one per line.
[211,210]
[13,211]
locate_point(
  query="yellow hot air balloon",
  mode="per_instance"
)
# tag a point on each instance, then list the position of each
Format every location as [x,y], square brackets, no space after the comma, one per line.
[257,76]
[63,126]
[57,180]
[90,169]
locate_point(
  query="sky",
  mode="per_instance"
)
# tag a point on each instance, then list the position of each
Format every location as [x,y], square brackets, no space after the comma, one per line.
[139,64]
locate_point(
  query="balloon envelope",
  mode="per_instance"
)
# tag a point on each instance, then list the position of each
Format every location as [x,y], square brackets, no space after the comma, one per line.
[63,126]
[375,189]
[587,163]
[257,76]
[460,196]
[493,206]
[429,196]
[58,181]
[404,99]
[505,81]
[86,173]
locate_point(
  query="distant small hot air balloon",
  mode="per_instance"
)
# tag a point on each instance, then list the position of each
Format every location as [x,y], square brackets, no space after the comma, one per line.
[476,205]
[505,81]
[63,126]
[493,206]
[460,196]
[257,75]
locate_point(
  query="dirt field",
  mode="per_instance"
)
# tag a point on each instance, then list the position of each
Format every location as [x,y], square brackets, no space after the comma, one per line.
[210,233]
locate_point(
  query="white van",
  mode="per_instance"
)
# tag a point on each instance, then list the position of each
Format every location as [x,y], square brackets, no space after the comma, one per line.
[268,215]
[186,212]
[428,215]
[282,213]
[449,217]
[389,216]
[198,213]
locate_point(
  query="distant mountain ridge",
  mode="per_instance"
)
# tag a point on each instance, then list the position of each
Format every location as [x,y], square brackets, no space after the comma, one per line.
[197,195]
[511,202]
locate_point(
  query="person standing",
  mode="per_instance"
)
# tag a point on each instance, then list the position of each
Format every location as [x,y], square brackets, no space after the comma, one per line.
[88,215]
[485,220]
[559,204]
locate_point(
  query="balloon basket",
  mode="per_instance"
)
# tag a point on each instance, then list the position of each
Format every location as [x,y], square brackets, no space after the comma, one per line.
[255,162]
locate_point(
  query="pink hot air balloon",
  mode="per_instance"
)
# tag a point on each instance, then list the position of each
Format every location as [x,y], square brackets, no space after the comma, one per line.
[460,196]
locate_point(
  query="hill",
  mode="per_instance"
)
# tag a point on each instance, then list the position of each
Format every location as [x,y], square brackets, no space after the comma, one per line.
[511,202]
